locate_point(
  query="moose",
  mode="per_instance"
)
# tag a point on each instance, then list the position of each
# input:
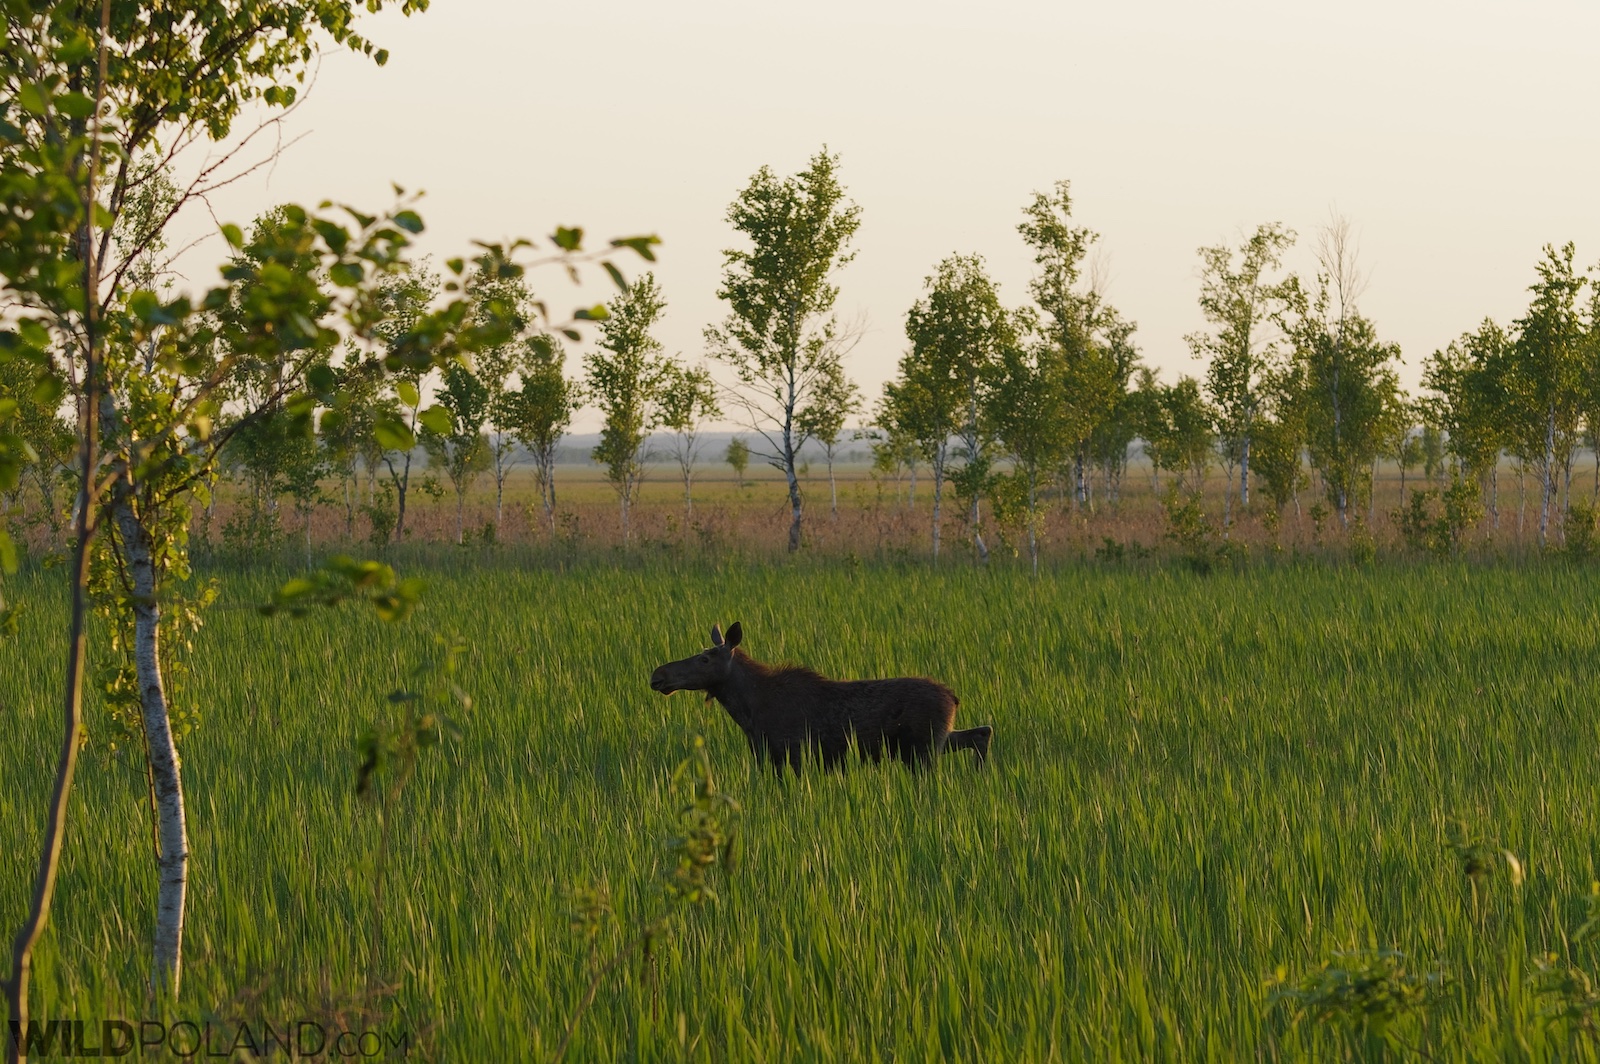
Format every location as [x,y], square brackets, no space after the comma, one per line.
[784,710]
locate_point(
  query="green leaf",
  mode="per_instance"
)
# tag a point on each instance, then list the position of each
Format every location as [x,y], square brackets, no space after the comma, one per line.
[572,334]
[8,564]
[34,334]
[410,221]
[642,245]
[393,434]
[408,393]
[8,407]
[75,105]
[568,239]
[48,389]
[335,236]
[33,99]
[598,312]
[143,305]
[346,274]
[232,234]
[321,378]
[437,420]
[615,275]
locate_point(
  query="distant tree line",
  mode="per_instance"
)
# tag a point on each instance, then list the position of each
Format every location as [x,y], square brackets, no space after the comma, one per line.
[1298,388]
[1002,408]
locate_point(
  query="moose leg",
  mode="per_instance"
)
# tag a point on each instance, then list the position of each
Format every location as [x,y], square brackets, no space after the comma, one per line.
[869,746]
[784,754]
[916,751]
[976,739]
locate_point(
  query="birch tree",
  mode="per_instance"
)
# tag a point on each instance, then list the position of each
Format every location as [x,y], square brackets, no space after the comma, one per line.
[452,433]
[497,367]
[1591,392]
[1467,380]
[738,457]
[625,377]
[1244,308]
[958,330]
[835,400]
[539,411]
[1095,340]
[405,299]
[143,372]
[1547,373]
[1029,401]
[781,337]
[1177,431]
[688,400]
[350,438]
[1344,373]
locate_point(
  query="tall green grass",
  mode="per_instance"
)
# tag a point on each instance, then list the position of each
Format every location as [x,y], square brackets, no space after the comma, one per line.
[1195,782]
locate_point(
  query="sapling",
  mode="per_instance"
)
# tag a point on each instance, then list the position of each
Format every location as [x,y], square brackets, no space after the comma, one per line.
[705,835]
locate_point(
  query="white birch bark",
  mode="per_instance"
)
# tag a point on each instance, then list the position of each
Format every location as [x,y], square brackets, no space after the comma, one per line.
[172,860]
[1547,478]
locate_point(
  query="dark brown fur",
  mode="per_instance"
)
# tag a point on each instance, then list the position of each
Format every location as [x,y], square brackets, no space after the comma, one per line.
[786,711]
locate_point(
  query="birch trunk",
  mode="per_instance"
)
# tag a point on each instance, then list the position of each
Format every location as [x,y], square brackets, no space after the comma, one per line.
[402,485]
[49,864]
[1566,493]
[172,860]
[1547,478]
[1227,501]
[1033,520]
[833,487]
[349,488]
[938,496]
[1244,474]
[976,516]
[977,529]
[1522,498]
[793,478]
[1494,494]
[547,484]
[16,984]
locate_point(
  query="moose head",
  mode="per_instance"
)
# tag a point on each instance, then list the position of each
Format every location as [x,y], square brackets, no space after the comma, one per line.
[702,671]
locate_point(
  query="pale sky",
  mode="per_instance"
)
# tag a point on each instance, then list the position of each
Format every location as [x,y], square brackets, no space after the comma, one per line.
[1458,137]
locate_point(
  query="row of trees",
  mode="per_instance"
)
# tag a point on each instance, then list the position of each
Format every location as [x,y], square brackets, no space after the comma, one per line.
[1005,405]
[477,416]
[1002,402]
[1008,405]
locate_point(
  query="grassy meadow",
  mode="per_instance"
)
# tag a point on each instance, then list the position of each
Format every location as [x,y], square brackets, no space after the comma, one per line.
[1197,781]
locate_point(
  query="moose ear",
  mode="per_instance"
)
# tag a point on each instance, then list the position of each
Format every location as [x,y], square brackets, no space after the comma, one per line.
[716,635]
[735,635]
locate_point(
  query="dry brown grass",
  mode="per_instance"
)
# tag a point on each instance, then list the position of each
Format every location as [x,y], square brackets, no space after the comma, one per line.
[875,519]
